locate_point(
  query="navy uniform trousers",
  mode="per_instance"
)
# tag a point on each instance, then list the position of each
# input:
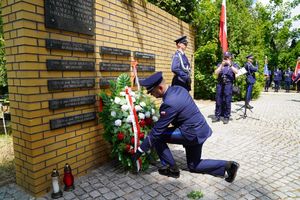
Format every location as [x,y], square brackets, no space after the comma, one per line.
[190,130]
[193,154]
[223,99]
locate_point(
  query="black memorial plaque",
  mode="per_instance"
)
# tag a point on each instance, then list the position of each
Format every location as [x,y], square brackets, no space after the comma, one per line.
[59,84]
[144,55]
[114,67]
[70,15]
[114,51]
[66,45]
[146,68]
[104,81]
[70,102]
[70,65]
[68,121]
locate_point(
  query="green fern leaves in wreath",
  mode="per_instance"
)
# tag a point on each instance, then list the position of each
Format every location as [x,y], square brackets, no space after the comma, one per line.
[195,195]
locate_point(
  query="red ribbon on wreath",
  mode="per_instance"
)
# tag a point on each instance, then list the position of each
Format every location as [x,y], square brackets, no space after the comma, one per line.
[135,123]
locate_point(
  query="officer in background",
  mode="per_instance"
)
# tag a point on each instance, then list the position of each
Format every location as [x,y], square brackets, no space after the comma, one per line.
[190,129]
[181,66]
[251,69]
[267,74]
[288,79]
[226,75]
[277,79]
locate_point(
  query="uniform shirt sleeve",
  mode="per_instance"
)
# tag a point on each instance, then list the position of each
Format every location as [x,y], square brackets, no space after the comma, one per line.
[177,69]
[167,115]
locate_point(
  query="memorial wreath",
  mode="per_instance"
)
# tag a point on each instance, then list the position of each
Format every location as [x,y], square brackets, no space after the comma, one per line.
[127,117]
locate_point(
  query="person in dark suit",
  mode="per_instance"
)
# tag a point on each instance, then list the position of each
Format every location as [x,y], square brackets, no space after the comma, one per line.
[180,65]
[297,81]
[288,79]
[190,129]
[277,78]
[251,69]
[226,75]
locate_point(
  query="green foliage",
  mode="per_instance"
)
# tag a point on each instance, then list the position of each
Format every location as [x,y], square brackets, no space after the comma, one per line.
[257,29]
[195,195]
[3,72]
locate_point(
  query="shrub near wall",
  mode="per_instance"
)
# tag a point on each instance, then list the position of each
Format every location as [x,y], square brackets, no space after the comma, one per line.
[43,139]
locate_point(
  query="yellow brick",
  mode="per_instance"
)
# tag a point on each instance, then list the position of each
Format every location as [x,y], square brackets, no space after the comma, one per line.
[36,113]
[66,149]
[24,24]
[40,10]
[32,33]
[51,74]
[33,82]
[60,37]
[28,74]
[23,6]
[74,140]
[38,3]
[70,161]
[75,152]
[65,136]
[43,157]
[56,160]
[30,16]
[26,57]
[33,98]
[55,146]
[36,129]
[84,155]
[29,90]
[83,143]
[42,143]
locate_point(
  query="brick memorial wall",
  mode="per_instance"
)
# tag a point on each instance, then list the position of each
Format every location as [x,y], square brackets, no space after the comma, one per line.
[60,55]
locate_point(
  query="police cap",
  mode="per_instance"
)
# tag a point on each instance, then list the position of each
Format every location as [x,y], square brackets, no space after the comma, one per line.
[227,54]
[181,39]
[250,56]
[152,81]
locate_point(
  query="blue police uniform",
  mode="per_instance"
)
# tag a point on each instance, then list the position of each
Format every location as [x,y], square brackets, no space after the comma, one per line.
[189,129]
[268,80]
[181,67]
[251,69]
[288,79]
[224,91]
[277,79]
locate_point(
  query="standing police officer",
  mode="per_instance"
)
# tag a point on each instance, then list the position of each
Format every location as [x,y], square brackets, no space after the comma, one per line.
[277,79]
[251,69]
[226,74]
[190,129]
[288,79]
[181,66]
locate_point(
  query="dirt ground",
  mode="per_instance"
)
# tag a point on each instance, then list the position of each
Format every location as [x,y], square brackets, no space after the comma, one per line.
[7,169]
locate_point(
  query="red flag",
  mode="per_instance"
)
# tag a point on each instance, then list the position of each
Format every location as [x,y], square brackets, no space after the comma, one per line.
[223,28]
[296,70]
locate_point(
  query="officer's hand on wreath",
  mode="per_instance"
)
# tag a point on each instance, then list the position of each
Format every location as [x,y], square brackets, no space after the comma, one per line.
[136,156]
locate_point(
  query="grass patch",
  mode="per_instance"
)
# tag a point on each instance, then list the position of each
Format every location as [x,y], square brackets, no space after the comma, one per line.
[7,167]
[195,195]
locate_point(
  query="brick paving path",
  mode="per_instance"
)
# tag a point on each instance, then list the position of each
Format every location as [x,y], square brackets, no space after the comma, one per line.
[266,144]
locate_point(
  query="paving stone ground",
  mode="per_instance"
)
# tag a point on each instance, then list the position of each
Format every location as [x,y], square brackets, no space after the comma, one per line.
[266,144]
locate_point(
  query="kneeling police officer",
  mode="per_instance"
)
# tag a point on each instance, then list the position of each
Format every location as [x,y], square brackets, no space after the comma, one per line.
[190,129]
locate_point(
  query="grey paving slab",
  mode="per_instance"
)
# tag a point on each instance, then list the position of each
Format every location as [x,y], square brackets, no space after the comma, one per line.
[266,144]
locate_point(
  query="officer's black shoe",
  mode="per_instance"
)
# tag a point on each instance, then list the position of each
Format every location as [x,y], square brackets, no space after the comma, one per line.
[231,169]
[169,171]
[216,119]
[226,120]
[249,106]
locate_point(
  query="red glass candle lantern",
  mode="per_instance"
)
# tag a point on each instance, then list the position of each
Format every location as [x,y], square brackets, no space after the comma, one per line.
[68,178]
